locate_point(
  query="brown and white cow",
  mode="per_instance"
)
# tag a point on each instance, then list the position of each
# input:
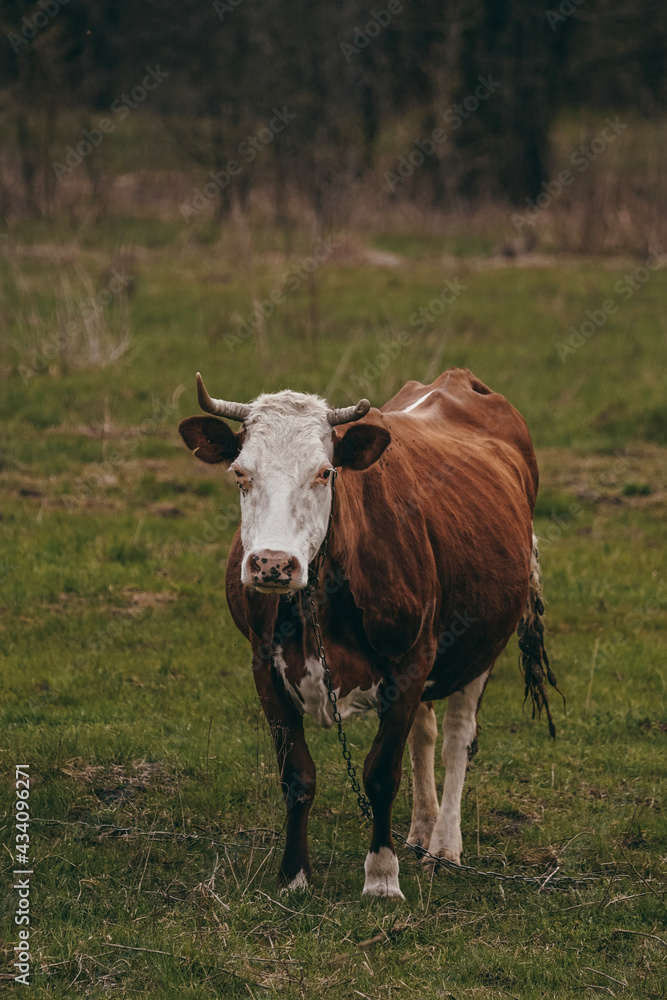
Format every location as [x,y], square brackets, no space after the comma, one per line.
[431,564]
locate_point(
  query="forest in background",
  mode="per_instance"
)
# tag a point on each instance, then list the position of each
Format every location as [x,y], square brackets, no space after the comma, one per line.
[342,112]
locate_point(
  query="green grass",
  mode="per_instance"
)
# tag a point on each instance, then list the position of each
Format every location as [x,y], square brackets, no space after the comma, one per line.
[127,688]
[506,325]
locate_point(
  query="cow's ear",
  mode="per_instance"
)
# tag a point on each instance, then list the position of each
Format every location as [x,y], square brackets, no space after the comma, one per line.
[211,440]
[360,446]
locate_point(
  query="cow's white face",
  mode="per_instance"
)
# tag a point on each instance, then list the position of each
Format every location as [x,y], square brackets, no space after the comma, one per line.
[283,462]
[284,471]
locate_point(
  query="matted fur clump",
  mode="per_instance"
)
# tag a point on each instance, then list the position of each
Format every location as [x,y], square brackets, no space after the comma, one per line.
[534,662]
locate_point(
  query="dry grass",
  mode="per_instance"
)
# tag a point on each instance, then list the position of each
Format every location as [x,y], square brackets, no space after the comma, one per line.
[89,327]
[617,203]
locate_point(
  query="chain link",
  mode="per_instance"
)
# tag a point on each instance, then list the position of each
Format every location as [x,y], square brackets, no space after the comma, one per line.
[364,805]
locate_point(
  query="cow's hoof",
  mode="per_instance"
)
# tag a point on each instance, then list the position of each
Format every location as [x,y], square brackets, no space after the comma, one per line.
[381,870]
[300,881]
[441,860]
[420,836]
[382,892]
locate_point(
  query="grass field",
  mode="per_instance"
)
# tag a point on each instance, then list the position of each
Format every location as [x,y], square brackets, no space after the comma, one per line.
[157,815]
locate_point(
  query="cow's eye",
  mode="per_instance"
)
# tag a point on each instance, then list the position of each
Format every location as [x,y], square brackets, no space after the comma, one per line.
[323,475]
[242,478]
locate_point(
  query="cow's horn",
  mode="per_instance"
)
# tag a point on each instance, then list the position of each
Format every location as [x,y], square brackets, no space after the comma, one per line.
[346,413]
[221,407]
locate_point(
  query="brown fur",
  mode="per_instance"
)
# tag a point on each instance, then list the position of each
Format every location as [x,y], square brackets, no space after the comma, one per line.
[427,576]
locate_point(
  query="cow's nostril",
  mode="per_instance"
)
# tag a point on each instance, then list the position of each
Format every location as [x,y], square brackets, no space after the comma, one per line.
[273,568]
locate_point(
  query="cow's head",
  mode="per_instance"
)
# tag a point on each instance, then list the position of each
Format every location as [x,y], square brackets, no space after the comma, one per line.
[282,459]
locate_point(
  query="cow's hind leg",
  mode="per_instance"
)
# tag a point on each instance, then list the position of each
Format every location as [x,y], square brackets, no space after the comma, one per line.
[458,746]
[421,742]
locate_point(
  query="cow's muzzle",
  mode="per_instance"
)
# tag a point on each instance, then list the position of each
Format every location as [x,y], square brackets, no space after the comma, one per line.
[274,571]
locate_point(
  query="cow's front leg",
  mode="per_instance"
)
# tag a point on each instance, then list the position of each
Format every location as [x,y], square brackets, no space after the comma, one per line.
[297,779]
[399,700]
[297,773]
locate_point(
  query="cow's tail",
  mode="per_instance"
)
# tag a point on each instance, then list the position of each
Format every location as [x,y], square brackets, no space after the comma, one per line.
[533,659]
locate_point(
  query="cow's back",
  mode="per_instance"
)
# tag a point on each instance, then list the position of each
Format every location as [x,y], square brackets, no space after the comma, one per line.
[460,404]
[441,526]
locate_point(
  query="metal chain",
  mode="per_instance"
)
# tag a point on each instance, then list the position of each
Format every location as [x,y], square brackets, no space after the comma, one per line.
[364,805]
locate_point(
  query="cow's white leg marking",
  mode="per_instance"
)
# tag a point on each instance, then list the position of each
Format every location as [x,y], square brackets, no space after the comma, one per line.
[459,731]
[381,870]
[421,743]
[300,881]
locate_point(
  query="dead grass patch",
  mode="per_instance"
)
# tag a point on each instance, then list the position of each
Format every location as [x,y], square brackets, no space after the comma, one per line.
[138,773]
[596,478]
[165,510]
[117,783]
[142,599]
